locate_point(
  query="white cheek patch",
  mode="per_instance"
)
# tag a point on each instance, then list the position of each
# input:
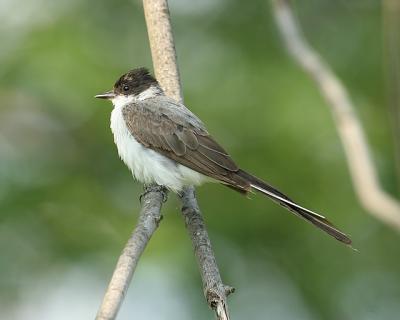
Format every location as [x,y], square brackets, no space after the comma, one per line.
[120,100]
[148,93]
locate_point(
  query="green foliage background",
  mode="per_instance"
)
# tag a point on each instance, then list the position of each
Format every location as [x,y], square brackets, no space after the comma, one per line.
[68,203]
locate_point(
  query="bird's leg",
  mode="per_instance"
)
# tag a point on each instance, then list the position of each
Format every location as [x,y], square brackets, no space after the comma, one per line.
[147,188]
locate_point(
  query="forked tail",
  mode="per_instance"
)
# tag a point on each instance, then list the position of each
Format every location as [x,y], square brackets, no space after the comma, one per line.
[312,217]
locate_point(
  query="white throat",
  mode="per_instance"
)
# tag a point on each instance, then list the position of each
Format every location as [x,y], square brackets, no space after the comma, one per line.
[122,100]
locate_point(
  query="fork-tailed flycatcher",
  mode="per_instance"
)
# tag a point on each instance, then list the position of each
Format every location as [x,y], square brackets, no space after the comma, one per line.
[163,142]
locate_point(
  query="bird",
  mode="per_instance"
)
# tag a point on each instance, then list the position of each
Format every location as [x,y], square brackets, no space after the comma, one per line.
[161,141]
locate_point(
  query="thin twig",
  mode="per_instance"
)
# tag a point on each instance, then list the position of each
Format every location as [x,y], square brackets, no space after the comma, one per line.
[371,195]
[167,73]
[149,218]
[166,70]
[214,290]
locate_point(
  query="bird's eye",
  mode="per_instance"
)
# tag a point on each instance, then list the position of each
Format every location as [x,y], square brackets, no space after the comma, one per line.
[125,87]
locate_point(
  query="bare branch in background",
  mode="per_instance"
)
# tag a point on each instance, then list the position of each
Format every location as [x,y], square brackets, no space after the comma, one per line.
[166,70]
[149,218]
[371,195]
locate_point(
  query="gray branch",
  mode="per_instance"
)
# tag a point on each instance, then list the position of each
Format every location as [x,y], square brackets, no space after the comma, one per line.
[166,70]
[162,47]
[167,73]
[149,218]
[362,170]
[214,290]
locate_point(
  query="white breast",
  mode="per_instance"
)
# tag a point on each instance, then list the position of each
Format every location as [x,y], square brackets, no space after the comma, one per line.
[146,165]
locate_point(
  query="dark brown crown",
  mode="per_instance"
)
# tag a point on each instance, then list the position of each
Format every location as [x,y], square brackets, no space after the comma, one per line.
[134,82]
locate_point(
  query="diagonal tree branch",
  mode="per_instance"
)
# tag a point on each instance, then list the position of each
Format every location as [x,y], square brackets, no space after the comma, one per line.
[369,191]
[166,70]
[149,218]
[162,47]
[214,290]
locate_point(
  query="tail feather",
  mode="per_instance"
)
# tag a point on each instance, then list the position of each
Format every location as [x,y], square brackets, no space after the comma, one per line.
[312,217]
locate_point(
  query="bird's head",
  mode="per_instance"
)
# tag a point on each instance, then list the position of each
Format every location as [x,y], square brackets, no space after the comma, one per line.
[137,84]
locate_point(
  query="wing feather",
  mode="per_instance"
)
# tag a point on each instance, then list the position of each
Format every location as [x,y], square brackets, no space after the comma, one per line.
[178,134]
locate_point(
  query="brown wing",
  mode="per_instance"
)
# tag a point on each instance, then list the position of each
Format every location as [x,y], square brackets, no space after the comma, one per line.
[183,139]
[175,132]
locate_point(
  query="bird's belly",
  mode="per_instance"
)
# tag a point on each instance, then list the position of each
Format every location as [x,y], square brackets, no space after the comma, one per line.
[147,165]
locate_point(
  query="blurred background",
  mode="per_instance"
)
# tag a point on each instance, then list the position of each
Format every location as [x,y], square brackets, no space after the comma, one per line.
[68,204]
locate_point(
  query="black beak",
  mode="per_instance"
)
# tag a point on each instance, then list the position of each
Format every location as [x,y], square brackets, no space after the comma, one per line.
[106,95]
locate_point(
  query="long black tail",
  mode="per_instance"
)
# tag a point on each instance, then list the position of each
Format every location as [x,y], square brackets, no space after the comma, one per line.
[312,217]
